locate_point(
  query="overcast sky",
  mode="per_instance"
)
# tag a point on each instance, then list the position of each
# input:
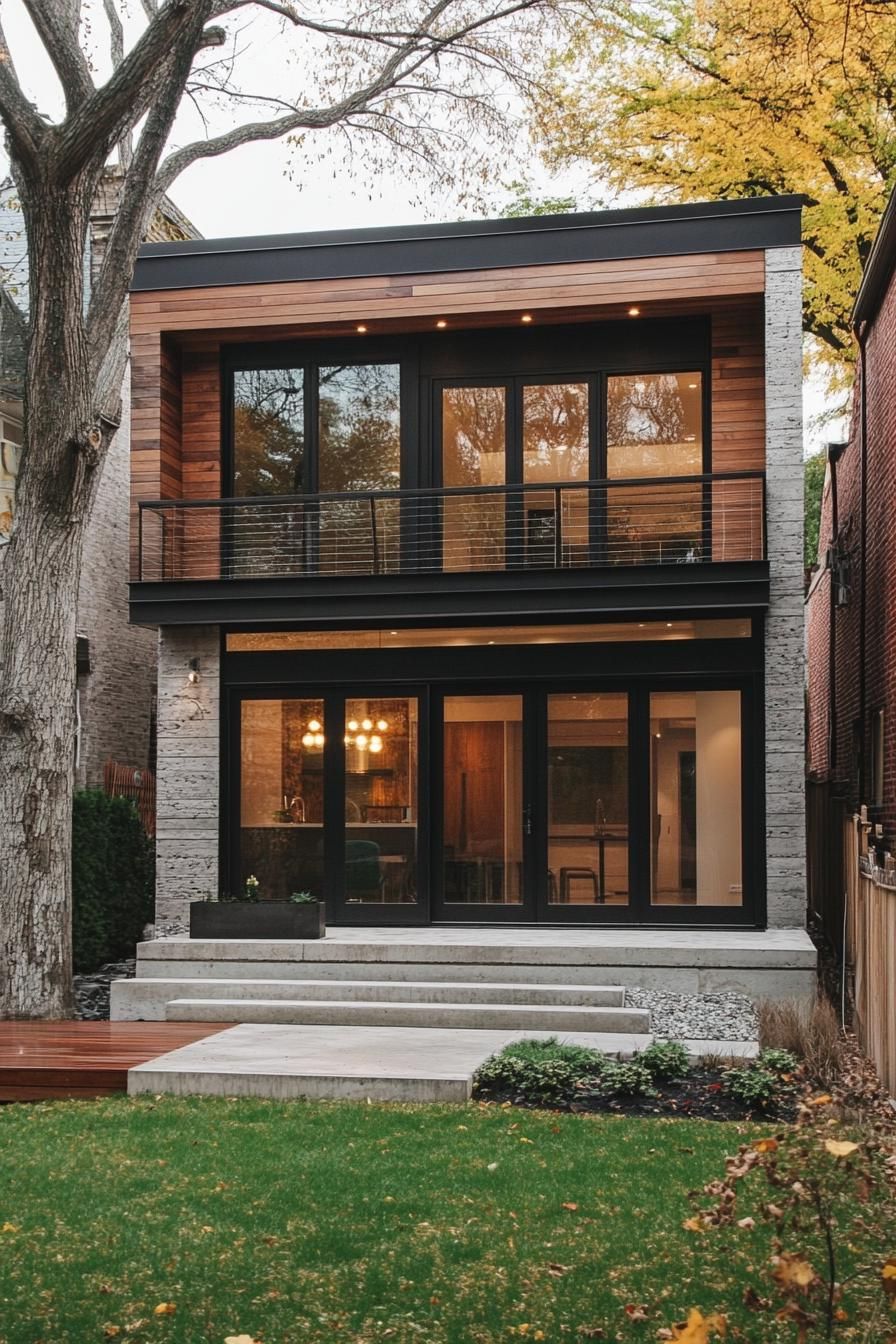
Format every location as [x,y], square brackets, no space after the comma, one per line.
[277,188]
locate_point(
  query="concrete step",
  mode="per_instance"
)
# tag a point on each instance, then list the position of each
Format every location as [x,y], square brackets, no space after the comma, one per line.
[348,1012]
[351,1063]
[145,1000]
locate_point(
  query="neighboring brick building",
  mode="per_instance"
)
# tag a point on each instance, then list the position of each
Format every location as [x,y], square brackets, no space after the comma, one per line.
[116,661]
[851,608]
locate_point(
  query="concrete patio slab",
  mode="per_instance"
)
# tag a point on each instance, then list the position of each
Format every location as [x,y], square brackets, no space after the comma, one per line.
[407,1064]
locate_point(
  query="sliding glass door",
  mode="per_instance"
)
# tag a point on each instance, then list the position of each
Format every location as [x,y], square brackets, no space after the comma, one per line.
[496,803]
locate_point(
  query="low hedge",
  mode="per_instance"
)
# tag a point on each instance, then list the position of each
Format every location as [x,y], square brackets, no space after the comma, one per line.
[113,874]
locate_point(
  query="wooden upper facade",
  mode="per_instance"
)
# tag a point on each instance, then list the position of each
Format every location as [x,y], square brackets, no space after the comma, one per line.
[698,269]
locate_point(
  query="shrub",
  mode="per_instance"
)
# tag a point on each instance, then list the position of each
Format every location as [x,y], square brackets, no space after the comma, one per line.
[540,1071]
[811,1032]
[778,1061]
[665,1060]
[631,1079]
[112,879]
[756,1086]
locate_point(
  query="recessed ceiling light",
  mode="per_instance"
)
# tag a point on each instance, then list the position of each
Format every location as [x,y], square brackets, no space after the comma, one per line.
[361,327]
[633,312]
[441,323]
[526,317]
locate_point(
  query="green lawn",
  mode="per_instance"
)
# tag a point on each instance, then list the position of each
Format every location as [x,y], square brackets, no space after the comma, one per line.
[312,1222]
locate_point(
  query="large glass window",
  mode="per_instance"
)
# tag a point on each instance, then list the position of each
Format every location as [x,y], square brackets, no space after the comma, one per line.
[556,450]
[654,429]
[380,742]
[281,797]
[695,791]
[473,454]
[268,431]
[482,837]
[588,828]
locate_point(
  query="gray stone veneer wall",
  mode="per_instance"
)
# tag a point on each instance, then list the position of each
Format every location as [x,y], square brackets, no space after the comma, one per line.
[188,755]
[784,647]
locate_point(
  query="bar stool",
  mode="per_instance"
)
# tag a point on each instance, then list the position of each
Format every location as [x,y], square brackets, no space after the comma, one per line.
[570,875]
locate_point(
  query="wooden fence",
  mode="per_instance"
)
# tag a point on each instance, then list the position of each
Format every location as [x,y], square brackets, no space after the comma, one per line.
[124,781]
[871,949]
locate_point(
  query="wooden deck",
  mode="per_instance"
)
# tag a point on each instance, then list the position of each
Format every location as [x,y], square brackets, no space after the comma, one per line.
[40,1061]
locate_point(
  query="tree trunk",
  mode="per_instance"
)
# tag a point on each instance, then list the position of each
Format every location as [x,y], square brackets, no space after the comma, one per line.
[63,450]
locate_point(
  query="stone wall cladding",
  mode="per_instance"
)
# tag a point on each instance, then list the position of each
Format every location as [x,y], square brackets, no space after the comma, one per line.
[841,764]
[784,642]
[188,774]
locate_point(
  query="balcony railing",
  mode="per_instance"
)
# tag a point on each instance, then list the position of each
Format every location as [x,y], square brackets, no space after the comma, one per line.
[678,520]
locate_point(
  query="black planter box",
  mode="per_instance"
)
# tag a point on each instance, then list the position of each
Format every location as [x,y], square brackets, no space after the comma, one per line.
[257,919]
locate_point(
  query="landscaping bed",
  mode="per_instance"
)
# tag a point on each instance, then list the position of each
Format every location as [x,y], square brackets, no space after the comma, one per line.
[659,1081]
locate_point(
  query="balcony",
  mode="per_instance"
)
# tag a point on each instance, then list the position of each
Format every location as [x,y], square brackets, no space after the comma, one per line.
[577,536]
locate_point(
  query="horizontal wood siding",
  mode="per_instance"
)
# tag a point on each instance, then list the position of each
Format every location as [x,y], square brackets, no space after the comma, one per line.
[461,293]
[177,338]
[738,422]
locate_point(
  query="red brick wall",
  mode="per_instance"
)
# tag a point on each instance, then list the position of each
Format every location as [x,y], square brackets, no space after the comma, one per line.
[879,652]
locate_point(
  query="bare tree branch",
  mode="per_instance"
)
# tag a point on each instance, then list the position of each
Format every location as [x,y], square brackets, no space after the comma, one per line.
[56,24]
[23,125]
[140,195]
[421,46]
[126,95]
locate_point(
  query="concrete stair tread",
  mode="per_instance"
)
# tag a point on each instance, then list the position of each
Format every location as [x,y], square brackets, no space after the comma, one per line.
[377,1012]
[610,996]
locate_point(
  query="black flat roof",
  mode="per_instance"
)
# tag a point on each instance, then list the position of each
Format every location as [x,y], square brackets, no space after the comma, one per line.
[646,231]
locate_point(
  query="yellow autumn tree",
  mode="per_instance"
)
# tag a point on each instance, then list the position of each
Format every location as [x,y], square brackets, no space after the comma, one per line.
[678,100]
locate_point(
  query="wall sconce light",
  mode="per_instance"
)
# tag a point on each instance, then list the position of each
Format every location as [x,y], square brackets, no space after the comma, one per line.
[193,675]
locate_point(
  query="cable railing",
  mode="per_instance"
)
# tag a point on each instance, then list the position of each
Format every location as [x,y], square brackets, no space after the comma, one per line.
[676,520]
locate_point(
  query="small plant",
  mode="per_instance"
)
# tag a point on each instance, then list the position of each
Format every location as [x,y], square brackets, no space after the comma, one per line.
[754,1086]
[665,1060]
[778,1061]
[303,898]
[251,888]
[541,1071]
[631,1079]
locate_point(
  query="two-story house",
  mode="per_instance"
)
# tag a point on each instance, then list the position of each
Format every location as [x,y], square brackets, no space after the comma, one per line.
[476,553]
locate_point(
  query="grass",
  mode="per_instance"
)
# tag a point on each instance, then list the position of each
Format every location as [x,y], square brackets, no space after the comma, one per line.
[309,1222]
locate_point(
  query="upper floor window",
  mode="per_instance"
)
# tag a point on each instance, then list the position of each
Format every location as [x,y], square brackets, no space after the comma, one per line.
[352,443]
[654,424]
[268,431]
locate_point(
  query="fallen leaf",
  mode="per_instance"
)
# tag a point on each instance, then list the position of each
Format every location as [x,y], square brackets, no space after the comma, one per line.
[824,1100]
[9,1227]
[698,1328]
[165,1309]
[557,1271]
[766,1145]
[840,1147]
[635,1313]
[110,1331]
[240,1339]
[591,1332]
[802,1320]
[753,1302]
[492,1166]
[694,1225]
[572,1207]
[888,1277]
[792,1271]
[747,1223]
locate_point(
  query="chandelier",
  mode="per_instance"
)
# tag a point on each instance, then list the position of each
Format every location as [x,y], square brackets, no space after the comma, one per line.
[363,734]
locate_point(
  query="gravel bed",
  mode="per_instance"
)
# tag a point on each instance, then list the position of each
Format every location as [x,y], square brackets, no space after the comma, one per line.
[696,1017]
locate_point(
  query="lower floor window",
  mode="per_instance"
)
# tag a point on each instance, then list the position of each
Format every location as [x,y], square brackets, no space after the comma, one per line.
[527,803]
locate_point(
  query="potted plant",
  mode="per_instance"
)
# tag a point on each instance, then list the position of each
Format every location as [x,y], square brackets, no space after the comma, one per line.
[250,916]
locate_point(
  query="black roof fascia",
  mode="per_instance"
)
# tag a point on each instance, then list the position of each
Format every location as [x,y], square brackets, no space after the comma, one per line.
[879,268]
[676,230]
